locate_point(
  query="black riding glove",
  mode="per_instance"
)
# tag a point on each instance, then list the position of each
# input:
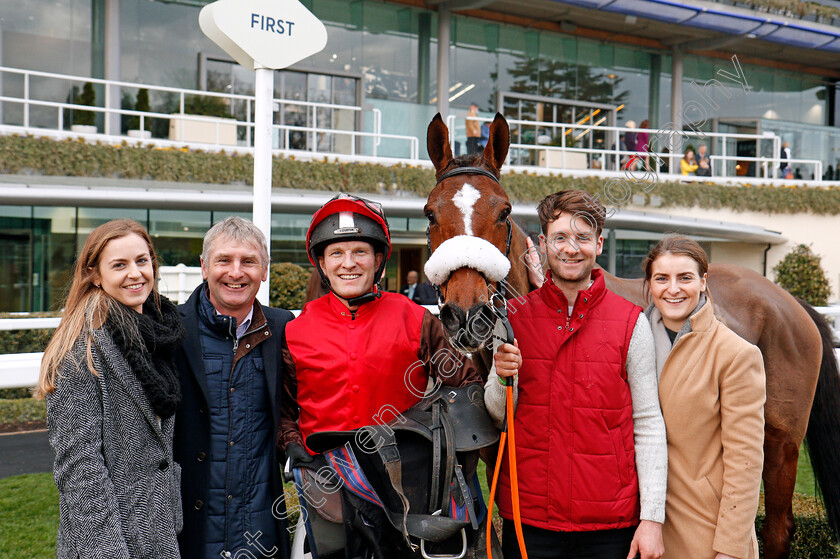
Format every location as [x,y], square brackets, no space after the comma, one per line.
[298,457]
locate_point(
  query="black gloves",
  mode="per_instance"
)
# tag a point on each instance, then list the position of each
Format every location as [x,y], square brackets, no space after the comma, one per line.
[298,457]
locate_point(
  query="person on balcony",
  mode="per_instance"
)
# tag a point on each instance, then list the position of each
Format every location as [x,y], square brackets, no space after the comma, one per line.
[473,129]
[643,143]
[704,168]
[688,165]
[109,379]
[785,156]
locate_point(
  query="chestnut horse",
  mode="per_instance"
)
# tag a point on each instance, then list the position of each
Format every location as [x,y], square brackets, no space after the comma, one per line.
[794,340]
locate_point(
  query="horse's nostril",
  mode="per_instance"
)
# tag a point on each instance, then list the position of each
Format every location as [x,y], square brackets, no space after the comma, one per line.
[480,323]
[452,318]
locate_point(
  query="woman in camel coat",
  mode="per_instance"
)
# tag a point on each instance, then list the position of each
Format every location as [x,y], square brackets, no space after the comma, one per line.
[712,393]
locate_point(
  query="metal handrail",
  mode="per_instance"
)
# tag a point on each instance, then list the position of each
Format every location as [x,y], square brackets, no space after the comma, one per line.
[311,107]
[611,157]
[617,153]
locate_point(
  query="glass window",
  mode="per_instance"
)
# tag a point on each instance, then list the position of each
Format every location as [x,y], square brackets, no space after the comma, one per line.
[178,235]
[151,32]
[320,91]
[630,253]
[288,238]
[46,36]
[16,272]
[89,219]
[474,64]
[57,234]
[293,87]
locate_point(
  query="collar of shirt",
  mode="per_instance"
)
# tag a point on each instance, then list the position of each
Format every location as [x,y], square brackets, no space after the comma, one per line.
[241,329]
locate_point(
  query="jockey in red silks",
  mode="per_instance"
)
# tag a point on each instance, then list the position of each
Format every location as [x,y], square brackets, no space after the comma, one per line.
[357,356]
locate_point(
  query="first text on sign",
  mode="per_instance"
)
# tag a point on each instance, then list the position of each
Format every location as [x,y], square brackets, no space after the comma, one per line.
[268,23]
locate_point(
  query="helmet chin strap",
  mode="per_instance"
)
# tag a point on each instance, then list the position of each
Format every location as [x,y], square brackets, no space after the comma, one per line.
[362,299]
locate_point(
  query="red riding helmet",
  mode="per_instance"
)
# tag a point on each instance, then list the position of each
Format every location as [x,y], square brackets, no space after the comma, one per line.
[348,218]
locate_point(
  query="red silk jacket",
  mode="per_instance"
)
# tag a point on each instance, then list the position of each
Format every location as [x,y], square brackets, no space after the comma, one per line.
[342,372]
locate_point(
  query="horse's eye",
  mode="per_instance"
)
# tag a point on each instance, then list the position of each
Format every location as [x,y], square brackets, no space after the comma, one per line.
[430,215]
[504,215]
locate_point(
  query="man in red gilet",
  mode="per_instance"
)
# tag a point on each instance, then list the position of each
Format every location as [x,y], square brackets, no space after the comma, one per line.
[591,448]
[357,356]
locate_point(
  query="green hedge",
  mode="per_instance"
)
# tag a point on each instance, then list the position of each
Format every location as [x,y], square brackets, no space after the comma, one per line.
[287,285]
[25,341]
[44,156]
[814,538]
[22,410]
[802,274]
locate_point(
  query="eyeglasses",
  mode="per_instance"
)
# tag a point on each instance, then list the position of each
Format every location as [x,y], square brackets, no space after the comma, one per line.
[560,239]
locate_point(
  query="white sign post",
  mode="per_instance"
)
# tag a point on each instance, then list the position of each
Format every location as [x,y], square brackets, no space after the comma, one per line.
[263,35]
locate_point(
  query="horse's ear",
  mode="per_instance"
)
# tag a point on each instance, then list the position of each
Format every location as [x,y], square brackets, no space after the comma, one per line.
[498,142]
[437,142]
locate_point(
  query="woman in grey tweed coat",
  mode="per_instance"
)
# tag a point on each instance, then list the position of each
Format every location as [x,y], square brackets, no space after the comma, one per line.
[111,393]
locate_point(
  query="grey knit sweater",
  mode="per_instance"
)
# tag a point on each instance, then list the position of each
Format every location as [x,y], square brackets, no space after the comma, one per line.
[648,425]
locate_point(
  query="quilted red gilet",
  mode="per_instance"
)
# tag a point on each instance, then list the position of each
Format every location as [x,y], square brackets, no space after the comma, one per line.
[574,419]
[348,369]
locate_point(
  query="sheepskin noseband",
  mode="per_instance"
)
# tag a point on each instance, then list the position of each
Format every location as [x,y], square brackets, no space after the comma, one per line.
[466,251]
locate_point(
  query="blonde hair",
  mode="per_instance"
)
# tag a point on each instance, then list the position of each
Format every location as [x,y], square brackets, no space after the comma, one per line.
[87,306]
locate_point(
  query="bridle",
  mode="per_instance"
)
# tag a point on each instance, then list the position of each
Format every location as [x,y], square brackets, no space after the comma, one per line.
[498,299]
[498,303]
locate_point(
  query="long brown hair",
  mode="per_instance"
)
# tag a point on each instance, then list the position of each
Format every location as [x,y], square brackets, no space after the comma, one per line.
[674,244]
[87,306]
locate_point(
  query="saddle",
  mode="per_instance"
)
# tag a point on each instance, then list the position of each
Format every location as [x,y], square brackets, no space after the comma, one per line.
[415,471]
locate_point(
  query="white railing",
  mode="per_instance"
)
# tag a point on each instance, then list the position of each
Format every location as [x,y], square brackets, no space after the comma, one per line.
[611,159]
[320,137]
[220,126]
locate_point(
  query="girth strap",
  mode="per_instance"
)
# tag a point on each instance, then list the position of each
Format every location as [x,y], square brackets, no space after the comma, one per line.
[448,472]
[435,496]
[390,455]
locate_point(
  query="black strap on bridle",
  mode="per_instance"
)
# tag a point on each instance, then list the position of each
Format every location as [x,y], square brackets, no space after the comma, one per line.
[469,171]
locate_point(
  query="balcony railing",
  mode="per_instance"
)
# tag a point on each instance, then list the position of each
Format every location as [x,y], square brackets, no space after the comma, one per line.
[538,146]
[609,159]
[232,134]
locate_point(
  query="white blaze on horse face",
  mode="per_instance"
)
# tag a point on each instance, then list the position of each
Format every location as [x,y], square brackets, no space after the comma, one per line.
[465,200]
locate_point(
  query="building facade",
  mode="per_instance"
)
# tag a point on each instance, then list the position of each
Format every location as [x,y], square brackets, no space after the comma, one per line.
[540,60]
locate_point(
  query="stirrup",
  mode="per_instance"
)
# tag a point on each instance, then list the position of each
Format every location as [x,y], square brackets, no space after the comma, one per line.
[461,555]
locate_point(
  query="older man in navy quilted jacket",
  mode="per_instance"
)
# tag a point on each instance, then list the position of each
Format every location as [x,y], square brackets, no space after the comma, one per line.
[230,371]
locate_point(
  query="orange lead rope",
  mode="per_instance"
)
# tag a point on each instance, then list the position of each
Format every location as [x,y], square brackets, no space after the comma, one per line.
[507,436]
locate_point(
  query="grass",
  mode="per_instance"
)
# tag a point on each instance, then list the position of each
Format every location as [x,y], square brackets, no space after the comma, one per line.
[28,516]
[805,483]
[29,510]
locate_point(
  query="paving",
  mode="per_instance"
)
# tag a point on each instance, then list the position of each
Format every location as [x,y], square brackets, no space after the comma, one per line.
[25,453]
